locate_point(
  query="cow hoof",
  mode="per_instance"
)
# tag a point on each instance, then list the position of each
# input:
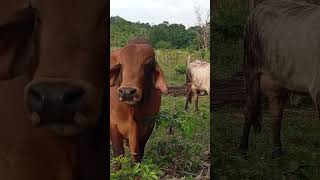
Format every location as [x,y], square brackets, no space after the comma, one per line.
[278,152]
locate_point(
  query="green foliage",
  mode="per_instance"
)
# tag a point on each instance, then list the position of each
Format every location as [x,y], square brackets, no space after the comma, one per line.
[183,121]
[162,36]
[184,148]
[228,24]
[146,170]
[181,68]
[163,44]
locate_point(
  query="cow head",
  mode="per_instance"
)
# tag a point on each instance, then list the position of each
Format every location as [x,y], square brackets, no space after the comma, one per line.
[66,91]
[135,71]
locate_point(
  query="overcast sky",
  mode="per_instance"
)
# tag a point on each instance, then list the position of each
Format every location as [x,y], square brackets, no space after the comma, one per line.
[157,11]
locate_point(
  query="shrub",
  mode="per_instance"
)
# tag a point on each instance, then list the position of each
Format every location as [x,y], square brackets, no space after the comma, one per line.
[146,170]
[181,68]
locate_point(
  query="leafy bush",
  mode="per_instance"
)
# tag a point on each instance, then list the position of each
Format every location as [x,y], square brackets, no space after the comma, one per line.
[163,45]
[227,37]
[181,68]
[181,120]
[146,170]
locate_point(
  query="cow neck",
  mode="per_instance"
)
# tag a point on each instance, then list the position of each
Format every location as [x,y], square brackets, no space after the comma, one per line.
[147,89]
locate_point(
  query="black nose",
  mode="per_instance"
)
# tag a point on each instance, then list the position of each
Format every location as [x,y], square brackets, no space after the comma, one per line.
[53,98]
[127,93]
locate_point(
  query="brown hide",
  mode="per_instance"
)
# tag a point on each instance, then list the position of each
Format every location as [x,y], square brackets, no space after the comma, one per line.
[26,152]
[129,120]
[255,3]
[50,41]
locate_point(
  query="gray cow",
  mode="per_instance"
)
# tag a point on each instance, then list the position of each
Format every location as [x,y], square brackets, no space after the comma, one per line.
[282,54]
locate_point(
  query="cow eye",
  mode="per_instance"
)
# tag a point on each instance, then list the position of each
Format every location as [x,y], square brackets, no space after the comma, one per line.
[150,63]
[148,67]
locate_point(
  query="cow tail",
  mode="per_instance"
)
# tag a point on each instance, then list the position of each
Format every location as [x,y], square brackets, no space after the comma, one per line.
[256,100]
[253,113]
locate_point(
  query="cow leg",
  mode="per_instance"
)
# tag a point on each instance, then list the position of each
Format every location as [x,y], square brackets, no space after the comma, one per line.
[276,102]
[315,95]
[117,144]
[252,112]
[187,100]
[276,99]
[134,142]
[197,92]
[188,97]
[142,145]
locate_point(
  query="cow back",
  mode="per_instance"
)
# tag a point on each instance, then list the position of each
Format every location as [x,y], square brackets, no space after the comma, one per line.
[282,38]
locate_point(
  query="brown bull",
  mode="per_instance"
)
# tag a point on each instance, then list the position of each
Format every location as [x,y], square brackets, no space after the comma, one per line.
[136,83]
[51,90]
[281,56]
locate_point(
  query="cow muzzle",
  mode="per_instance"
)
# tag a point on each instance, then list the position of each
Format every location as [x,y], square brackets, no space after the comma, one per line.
[58,106]
[129,95]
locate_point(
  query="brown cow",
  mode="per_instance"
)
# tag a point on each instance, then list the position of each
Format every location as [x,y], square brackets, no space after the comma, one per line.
[136,83]
[51,71]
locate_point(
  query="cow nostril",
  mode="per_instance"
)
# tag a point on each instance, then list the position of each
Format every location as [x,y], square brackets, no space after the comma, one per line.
[55,97]
[132,91]
[127,92]
[35,99]
[35,95]
[72,96]
[121,92]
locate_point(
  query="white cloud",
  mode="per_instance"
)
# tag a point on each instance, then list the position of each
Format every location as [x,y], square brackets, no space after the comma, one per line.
[157,11]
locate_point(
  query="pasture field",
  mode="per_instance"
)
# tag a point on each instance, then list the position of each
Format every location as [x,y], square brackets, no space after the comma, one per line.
[300,137]
[179,144]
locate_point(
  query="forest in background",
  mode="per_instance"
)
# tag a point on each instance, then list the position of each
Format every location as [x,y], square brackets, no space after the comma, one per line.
[162,36]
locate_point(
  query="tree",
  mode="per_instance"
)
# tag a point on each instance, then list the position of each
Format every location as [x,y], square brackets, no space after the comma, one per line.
[203,23]
[164,35]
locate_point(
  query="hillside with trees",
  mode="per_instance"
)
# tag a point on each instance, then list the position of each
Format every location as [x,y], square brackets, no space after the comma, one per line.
[162,36]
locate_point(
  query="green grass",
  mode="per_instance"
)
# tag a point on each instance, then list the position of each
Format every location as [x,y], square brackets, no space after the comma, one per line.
[300,137]
[183,152]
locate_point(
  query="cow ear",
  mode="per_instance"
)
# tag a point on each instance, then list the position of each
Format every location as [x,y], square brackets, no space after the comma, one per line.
[17,46]
[115,75]
[159,80]
[6,54]
[16,60]
[115,68]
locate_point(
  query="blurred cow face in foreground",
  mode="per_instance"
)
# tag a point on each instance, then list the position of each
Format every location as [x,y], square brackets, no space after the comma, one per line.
[66,91]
